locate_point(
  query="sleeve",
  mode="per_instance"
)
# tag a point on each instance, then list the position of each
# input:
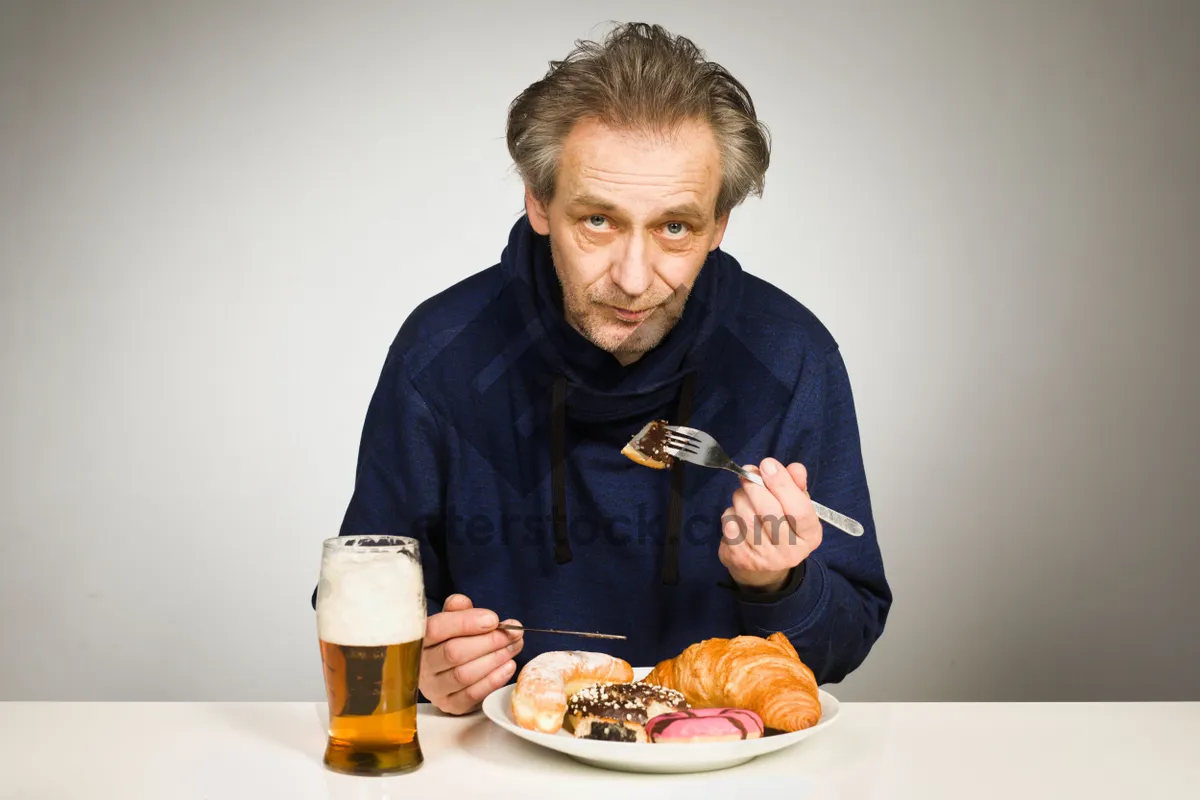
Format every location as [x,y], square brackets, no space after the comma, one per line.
[836,603]
[399,478]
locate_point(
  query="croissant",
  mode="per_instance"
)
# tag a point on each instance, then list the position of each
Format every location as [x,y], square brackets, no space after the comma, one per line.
[765,676]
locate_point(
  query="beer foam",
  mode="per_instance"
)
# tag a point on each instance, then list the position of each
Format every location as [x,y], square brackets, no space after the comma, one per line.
[365,600]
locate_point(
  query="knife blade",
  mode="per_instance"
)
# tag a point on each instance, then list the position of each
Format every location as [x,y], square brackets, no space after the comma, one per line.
[584,634]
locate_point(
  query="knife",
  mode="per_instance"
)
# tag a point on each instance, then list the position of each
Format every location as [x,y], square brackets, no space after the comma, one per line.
[584,634]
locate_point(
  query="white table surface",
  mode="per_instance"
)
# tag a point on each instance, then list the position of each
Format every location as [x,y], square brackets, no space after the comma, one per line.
[50,751]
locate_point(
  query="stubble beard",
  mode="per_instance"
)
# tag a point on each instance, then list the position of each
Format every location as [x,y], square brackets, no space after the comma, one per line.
[583,311]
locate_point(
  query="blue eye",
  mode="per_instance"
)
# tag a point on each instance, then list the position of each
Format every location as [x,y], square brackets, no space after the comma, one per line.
[676,228]
[597,221]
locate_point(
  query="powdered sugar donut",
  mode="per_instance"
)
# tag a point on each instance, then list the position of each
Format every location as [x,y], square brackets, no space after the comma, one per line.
[705,725]
[539,699]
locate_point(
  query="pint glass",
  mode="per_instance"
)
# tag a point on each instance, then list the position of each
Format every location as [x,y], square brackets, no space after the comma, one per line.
[370,623]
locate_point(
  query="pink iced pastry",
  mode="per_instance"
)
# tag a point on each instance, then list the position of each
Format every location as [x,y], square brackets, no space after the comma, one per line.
[705,725]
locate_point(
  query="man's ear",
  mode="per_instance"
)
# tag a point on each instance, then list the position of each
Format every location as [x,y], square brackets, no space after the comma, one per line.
[539,215]
[722,222]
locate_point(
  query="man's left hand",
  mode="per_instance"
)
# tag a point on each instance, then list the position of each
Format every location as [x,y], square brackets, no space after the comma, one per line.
[766,533]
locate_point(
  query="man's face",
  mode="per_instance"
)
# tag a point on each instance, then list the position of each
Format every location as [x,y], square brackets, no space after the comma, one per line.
[631,224]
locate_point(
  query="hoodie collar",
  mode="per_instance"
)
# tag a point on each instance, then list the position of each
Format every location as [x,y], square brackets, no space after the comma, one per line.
[599,388]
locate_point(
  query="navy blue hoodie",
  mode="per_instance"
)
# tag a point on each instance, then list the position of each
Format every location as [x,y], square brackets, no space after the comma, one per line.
[494,438]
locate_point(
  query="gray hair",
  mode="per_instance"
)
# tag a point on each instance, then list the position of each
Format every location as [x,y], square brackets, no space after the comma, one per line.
[645,79]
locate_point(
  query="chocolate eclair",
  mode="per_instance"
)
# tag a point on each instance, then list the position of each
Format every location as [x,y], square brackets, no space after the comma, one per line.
[648,447]
[619,711]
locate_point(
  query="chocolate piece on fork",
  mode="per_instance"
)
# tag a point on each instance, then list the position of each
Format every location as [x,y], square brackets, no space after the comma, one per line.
[649,446]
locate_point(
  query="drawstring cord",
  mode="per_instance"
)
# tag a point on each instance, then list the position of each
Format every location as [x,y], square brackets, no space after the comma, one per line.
[558,479]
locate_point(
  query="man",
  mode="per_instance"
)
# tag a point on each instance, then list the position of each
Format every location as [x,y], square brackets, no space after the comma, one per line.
[495,432]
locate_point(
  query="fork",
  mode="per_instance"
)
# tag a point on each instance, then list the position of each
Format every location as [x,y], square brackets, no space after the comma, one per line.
[698,447]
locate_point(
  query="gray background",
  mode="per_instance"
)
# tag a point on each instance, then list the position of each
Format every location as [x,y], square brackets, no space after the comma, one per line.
[214,216]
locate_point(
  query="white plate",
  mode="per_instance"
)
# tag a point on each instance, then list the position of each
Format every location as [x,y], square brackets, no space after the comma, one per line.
[663,758]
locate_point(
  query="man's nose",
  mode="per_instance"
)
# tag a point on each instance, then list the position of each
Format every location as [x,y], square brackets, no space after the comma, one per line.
[632,271]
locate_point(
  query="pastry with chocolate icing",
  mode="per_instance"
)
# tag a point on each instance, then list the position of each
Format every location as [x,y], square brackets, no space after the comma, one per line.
[648,447]
[618,712]
[705,725]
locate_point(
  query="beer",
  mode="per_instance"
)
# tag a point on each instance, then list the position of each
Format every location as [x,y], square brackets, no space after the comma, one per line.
[370,627]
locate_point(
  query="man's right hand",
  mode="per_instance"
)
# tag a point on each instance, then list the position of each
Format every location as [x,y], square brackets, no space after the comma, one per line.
[465,656]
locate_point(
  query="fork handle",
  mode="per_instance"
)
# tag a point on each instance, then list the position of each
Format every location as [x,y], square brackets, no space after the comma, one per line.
[838,520]
[834,518]
[753,477]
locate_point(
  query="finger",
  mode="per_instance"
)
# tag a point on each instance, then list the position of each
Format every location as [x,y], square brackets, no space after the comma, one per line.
[464,649]
[810,533]
[799,475]
[733,528]
[734,532]
[743,509]
[468,699]
[751,554]
[739,557]
[787,491]
[453,624]
[516,639]
[461,650]
[478,669]
[457,602]
[758,529]
[763,500]
[735,548]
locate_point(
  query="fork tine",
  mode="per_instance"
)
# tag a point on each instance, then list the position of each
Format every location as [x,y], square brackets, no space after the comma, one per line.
[683,443]
[682,437]
[683,430]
